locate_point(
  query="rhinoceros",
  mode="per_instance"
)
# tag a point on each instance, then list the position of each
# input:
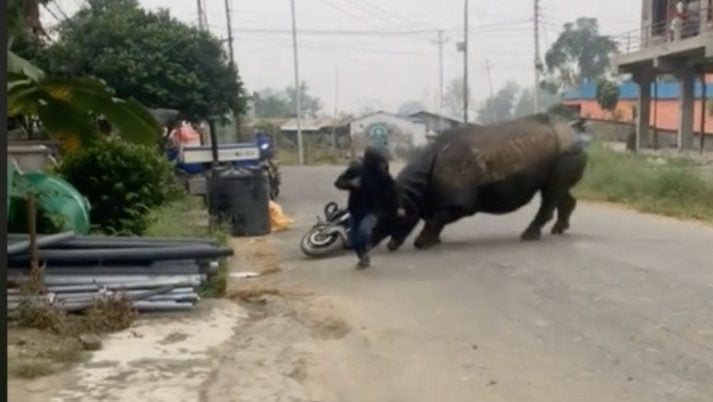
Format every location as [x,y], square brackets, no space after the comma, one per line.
[495,169]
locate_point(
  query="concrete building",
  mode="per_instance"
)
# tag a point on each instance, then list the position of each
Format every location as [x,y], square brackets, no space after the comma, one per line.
[676,37]
[664,105]
[386,129]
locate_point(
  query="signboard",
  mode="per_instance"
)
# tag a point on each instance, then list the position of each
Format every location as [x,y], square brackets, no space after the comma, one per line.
[226,153]
[378,134]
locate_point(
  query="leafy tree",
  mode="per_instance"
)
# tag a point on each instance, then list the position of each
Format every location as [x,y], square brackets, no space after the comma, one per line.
[526,103]
[499,107]
[607,94]
[411,107]
[272,103]
[150,56]
[310,105]
[453,98]
[579,52]
[67,107]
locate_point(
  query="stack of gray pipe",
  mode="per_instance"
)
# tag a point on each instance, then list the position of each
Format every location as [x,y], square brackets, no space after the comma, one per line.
[155,273]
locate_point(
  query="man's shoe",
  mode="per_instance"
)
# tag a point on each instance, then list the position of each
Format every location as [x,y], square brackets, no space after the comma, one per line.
[364,262]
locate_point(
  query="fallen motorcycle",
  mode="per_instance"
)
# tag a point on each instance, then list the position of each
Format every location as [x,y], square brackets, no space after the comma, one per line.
[329,235]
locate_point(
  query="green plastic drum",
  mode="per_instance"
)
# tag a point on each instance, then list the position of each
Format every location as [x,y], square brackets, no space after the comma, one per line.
[60,206]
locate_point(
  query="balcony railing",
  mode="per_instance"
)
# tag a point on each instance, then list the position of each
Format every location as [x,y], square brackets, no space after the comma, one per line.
[665,31]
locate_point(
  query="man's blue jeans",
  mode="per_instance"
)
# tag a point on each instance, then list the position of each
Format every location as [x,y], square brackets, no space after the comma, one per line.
[361,229]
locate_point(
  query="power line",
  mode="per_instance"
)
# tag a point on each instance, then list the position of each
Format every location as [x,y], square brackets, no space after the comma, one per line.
[336,32]
[64,15]
[341,48]
[507,27]
[342,10]
[384,14]
[46,7]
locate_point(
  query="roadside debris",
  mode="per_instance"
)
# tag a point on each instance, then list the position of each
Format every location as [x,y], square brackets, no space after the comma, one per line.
[278,220]
[90,342]
[154,274]
[244,275]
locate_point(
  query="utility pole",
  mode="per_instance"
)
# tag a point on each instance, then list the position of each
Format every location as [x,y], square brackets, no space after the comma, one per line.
[465,64]
[202,18]
[538,64]
[230,32]
[440,41]
[229,25]
[488,69]
[336,91]
[298,95]
[335,118]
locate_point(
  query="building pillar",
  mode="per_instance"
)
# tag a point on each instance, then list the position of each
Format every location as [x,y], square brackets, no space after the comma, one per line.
[644,79]
[686,99]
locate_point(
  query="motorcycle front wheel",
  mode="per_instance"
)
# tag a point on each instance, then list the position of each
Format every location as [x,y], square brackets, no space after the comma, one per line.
[315,243]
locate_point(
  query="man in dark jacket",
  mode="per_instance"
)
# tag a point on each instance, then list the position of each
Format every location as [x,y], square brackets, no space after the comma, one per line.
[372,196]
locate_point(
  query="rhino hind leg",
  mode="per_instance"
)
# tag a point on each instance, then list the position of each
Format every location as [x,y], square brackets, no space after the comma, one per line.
[565,207]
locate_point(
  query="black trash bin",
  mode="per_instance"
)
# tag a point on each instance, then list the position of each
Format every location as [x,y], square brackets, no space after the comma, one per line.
[240,197]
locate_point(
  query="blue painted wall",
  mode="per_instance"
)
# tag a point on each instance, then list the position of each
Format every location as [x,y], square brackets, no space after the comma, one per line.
[629,90]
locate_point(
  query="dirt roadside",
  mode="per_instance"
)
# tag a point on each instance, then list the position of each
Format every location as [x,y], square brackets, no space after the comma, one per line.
[260,343]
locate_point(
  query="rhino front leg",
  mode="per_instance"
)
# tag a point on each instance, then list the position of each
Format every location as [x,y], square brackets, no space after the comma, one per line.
[431,233]
[544,215]
[381,231]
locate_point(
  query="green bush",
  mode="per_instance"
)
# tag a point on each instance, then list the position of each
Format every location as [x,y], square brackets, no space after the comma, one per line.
[122,181]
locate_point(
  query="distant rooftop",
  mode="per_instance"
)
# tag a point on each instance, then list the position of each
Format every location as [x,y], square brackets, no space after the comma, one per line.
[315,124]
[436,115]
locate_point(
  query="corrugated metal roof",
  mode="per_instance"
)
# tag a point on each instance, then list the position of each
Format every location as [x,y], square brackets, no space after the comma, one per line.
[315,124]
[436,115]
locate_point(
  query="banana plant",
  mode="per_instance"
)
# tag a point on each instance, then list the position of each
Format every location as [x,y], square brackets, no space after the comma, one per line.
[68,107]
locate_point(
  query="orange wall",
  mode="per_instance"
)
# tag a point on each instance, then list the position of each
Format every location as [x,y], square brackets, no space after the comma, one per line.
[666,115]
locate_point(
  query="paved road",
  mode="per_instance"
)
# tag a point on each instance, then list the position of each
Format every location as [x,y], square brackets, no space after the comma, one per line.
[621,309]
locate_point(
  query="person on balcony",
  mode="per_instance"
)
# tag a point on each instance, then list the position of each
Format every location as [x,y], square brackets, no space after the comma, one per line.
[678,22]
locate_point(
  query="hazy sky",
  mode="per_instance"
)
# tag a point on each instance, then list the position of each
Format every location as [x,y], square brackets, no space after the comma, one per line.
[382,71]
